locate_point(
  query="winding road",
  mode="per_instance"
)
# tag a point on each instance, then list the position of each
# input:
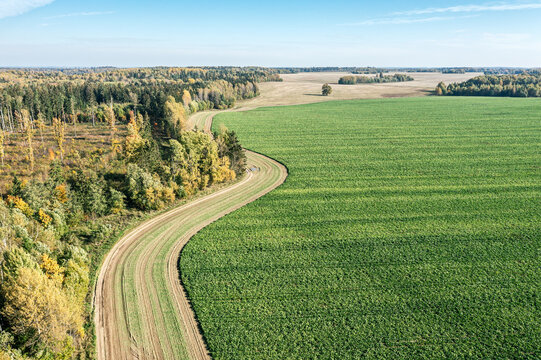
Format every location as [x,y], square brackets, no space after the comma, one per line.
[141,309]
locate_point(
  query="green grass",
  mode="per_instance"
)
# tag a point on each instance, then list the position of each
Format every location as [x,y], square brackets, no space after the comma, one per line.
[407,228]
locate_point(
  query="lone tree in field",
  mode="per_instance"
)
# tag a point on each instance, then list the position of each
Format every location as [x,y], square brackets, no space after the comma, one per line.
[326,90]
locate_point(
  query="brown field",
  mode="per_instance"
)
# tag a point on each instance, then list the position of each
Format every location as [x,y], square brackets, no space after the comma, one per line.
[305,88]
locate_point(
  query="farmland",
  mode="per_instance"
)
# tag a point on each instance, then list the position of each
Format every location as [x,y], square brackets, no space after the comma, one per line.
[407,228]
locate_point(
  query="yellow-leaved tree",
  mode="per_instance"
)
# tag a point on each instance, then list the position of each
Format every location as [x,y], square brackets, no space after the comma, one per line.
[134,143]
[2,140]
[40,124]
[59,129]
[28,132]
[186,98]
[51,268]
[110,118]
[37,309]
[175,116]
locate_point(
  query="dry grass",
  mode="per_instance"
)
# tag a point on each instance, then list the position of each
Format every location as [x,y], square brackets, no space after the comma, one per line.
[305,88]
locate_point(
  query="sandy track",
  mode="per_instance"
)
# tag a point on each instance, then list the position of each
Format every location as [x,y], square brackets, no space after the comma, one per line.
[141,308]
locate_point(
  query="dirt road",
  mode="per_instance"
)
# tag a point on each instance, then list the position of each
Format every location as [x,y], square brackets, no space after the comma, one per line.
[141,309]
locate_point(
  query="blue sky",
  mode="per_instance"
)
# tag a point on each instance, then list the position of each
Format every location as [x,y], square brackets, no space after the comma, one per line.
[277,33]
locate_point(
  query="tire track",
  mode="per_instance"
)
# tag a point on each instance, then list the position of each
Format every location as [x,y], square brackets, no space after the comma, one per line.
[141,310]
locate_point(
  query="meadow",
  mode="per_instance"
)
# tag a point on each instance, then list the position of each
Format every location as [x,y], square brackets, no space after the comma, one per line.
[407,228]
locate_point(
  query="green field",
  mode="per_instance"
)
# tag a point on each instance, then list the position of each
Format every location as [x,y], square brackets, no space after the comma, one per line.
[407,228]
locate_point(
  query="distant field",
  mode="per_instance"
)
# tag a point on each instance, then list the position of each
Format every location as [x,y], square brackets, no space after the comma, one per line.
[305,88]
[407,228]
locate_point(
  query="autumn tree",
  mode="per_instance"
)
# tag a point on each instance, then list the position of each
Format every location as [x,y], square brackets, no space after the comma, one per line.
[51,268]
[134,142]
[73,119]
[116,201]
[145,190]
[110,118]
[37,309]
[59,130]
[28,132]
[441,89]
[203,166]
[40,124]
[2,140]
[186,98]
[175,116]
[76,276]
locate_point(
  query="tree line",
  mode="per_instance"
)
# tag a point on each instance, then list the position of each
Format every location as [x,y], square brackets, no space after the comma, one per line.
[83,97]
[523,85]
[377,70]
[378,79]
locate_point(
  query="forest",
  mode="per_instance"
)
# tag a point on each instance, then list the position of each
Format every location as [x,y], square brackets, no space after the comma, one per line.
[95,152]
[83,94]
[378,79]
[523,85]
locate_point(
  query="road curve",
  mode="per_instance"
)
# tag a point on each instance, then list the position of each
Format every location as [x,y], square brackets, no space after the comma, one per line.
[141,310]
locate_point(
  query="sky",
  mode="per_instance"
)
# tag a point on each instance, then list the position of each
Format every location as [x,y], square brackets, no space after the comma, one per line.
[418,33]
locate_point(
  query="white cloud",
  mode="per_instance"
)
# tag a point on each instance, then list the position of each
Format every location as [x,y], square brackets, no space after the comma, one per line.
[408,17]
[18,7]
[90,13]
[506,37]
[472,8]
[402,20]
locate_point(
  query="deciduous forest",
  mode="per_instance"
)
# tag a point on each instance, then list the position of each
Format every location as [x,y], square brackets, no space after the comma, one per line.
[523,85]
[85,154]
